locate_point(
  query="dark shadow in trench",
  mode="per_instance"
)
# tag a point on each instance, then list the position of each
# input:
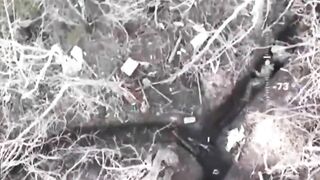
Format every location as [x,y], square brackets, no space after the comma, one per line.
[213,123]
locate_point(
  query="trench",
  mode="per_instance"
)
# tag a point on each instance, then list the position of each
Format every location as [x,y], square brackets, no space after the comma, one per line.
[226,116]
[193,138]
[212,124]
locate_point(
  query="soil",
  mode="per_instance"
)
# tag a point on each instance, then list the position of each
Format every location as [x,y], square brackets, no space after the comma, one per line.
[214,98]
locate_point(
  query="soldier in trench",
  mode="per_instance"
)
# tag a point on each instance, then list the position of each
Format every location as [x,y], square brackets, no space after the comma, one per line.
[261,78]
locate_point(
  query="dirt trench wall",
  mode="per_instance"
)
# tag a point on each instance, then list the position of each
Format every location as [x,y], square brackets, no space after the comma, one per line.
[221,91]
[216,115]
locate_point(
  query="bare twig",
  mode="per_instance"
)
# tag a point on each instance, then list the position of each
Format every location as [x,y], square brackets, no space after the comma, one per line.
[215,35]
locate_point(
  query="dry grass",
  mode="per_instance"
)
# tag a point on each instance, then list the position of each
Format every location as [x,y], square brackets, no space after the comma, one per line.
[286,139]
[229,42]
[37,98]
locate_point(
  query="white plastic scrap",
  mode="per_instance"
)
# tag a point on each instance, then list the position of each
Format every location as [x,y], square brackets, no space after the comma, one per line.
[72,65]
[199,28]
[129,66]
[181,51]
[178,23]
[234,136]
[200,38]
[145,64]
[77,53]
[189,120]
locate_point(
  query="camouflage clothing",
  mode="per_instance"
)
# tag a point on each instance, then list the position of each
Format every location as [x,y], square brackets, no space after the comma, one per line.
[260,80]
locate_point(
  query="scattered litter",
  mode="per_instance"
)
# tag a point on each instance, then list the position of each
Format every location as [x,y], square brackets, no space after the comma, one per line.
[81,3]
[189,120]
[129,66]
[145,65]
[71,65]
[161,25]
[77,53]
[199,28]
[234,136]
[204,146]
[178,23]
[199,39]
[181,51]
[57,49]
[174,118]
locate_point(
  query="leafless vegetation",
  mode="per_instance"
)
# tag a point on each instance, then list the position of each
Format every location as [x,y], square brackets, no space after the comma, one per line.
[38,99]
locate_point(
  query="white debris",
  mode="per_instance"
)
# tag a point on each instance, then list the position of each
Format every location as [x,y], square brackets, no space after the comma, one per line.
[81,3]
[178,23]
[129,66]
[77,53]
[145,65]
[199,39]
[146,82]
[161,26]
[72,65]
[199,28]
[57,49]
[182,50]
[189,120]
[234,136]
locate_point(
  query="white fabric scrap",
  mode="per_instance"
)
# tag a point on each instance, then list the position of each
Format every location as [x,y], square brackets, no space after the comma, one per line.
[72,65]
[234,136]
[77,53]
[199,39]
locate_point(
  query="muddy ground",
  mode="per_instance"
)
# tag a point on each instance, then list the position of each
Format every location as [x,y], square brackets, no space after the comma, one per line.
[146,109]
